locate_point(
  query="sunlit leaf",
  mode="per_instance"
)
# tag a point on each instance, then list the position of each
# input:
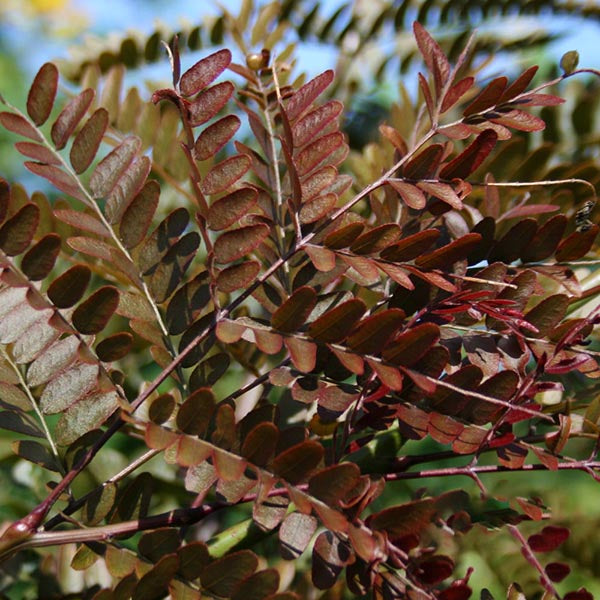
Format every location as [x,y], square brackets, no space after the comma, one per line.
[232,245]
[69,118]
[231,208]
[307,94]
[112,166]
[215,136]
[204,72]
[88,140]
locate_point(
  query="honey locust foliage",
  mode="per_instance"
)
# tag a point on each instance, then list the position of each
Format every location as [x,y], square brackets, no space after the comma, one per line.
[274,333]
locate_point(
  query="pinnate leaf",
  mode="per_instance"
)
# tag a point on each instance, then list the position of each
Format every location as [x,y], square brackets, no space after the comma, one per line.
[295,533]
[112,166]
[223,575]
[406,519]
[232,245]
[209,102]
[19,125]
[292,314]
[137,217]
[92,315]
[549,539]
[471,157]
[69,118]
[297,462]
[87,141]
[114,347]
[258,586]
[16,233]
[154,584]
[372,334]
[335,325]
[231,208]
[214,137]
[489,96]
[331,484]
[237,276]
[67,289]
[411,345]
[447,255]
[412,196]
[38,152]
[317,152]
[307,94]
[204,72]
[225,174]
[576,245]
[60,179]
[434,57]
[410,247]
[548,313]
[40,258]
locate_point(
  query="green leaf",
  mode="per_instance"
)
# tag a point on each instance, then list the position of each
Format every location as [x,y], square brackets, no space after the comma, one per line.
[67,289]
[40,258]
[215,136]
[16,233]
[204,72]
[69,118]
[92,315]
[569,61]
[337,323]
[224,174]
[87,141]
[296,463]
[137,217]
[231,208]
[223,575]
[232,245]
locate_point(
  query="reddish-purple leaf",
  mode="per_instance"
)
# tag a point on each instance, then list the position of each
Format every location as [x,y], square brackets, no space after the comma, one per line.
[42,93]
[237,276]
[521,120]
[317,208]
[303,353]
[296,463]
[129,184]
[260,443]
[295,533]
[330,485]
[87,141]
[309,126]
[318,181]
[411,247]
[411,345]
[412,196]
[292,314]
[58,178]
[443,191]
[258,586]
[232,245]
[580,594]
[434,569]
[334,325]
[225,174]
[111,167]
[318,151]
[114,347]
[424,85]
[4,198]
[209,102]
[576,245]
[405,519]
[92,315]
[425,164]
[344,236]
[67,289]
[215,136]
[204,72]
[447,255]
[16,233]
[137,217]
[434,57]
[547,314]
[40,258]
[456,92]
[330,555]
[519,85]
[307,94]
[322,258]
[489,96]
[471,157]
[222,576]
[70,117]
[17,124]
[549,539]
[371,334]
[540,100]
[376,239]
[545,241]
[38,152]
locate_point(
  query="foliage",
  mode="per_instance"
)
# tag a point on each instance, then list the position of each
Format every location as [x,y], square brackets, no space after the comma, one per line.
[228,343]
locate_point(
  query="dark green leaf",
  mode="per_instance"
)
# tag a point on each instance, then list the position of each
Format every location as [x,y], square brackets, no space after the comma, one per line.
[40,258]
[92,315]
